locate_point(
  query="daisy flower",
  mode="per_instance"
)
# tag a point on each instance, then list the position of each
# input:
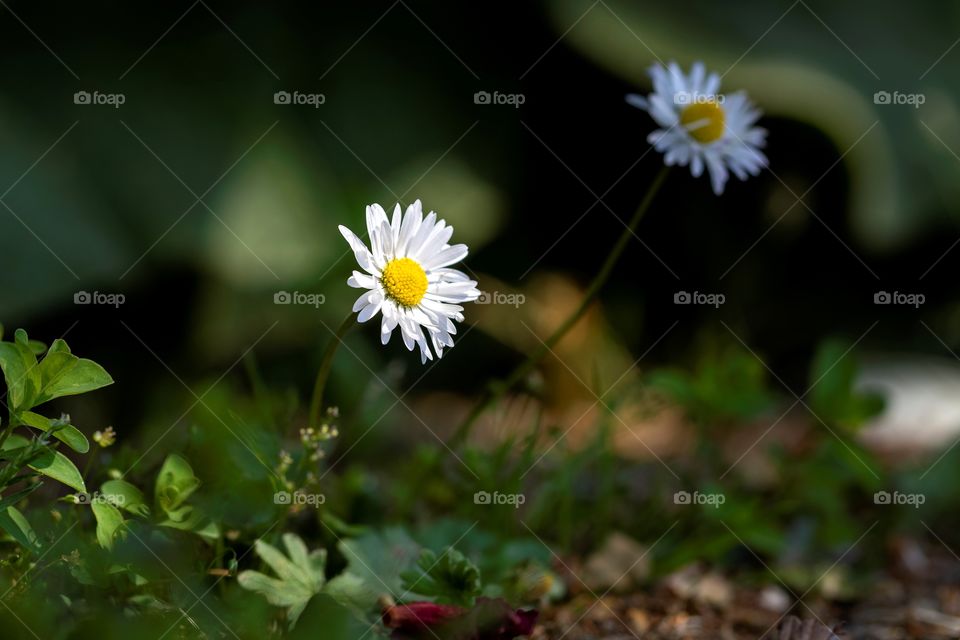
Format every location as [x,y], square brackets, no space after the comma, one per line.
[408,278]
[702,127]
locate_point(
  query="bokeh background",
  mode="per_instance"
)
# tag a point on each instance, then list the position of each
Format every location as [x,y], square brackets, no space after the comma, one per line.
[199,198]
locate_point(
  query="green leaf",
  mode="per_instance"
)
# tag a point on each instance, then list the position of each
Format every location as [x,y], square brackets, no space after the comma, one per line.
[13,522]
[300,575]
[68,434]
[64,374]
[375,562]
[109,523]
[450,579]
[175,483]
[50,463]
[59,345]
[21,372]
[54,464]
[36,347]
[125,496]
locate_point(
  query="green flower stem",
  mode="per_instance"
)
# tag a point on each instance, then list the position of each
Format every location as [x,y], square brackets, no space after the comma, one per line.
[325,365]
[496,390]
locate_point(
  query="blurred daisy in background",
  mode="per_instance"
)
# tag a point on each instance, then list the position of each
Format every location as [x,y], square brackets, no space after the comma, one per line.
[701,127]
[408,278]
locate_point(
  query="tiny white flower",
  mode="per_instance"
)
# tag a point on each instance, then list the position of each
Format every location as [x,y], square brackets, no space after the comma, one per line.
[409,279]
[702,127]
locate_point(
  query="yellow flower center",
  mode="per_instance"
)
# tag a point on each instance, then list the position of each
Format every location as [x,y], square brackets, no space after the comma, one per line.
[405,281]
[704,121]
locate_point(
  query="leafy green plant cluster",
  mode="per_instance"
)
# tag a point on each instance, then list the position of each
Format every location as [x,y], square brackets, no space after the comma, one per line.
[175,484]
[29,441]
[806,505]
[197,538]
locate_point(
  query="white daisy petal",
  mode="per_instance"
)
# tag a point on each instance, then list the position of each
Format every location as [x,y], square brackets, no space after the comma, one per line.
[718,173]
[696,166]
[406,332]
[446,257]
[375,216]
[696,77]
[423,232]
[437,240]
[447,275]
[386,241]
[408,228]
[637,101]
[364,300]
[395,224]
[360,251]
[361,281]
[389,321]
[369,311]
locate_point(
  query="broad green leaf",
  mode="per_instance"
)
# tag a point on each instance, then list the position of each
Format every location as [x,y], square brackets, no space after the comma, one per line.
[59,345]
[125,496]
[281,565]
[64,374]
[55,465]
[375,562]
[300,576]
[175,483]
[21,372]
[36,347]
[351,591]
[314,562]
[109,522]
[13,522]
[301,566]
[68,434]
[50,463]
[277,592]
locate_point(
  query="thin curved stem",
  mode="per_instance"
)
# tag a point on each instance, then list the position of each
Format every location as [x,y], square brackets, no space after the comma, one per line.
[496,390]
[326,363]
